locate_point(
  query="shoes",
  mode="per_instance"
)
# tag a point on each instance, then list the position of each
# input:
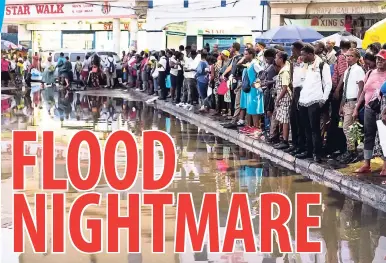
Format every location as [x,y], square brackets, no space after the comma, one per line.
[290,149]
[297,151]
[317,159]
[281,146]
[347,157]
[303,155]
[273,140]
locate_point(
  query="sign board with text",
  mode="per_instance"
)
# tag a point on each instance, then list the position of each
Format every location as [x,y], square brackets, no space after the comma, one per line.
[30,12]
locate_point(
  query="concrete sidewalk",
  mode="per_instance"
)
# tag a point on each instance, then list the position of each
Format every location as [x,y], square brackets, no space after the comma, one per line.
[364,191]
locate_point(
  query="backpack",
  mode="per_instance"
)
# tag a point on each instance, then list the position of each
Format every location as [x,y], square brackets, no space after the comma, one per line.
[111,67]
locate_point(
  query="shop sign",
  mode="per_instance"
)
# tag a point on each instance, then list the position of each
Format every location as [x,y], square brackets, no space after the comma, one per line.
[362,9]
[72,10]
[27,44]
[340,22]
[176,27]
[211,32]
[336,23]
[172,33]
[109,27]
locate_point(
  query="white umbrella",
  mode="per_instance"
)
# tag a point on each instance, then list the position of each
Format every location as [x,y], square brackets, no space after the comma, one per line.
[7,45]
[337,37]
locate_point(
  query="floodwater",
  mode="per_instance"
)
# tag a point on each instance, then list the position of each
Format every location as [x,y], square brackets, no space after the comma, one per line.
[350,231]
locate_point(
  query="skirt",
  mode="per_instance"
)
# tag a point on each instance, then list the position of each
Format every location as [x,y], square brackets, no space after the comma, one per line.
[252,102]
[282,111]
[84,74]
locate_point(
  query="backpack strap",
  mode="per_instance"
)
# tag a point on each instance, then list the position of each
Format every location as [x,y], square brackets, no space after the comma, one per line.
[321,65]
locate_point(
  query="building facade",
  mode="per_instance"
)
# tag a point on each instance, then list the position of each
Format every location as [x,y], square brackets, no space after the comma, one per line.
[170,23]
[328,17]
[52,26]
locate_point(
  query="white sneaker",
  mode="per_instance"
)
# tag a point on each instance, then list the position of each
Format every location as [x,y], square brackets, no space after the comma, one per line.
[185,106]
[241,122]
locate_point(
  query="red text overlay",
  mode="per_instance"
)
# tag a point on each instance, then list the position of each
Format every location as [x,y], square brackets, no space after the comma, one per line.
[191,232]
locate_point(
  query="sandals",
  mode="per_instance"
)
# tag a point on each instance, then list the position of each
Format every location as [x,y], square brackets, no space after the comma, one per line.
[363,170]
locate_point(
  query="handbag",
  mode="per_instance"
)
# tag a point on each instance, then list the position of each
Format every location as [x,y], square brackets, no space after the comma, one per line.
[375,105]
[222,88]
[168,82]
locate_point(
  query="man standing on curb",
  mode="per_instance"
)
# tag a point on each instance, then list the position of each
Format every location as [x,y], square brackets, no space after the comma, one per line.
[317,86]
[297,72]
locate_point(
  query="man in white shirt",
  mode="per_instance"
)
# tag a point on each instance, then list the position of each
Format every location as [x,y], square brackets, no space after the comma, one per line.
[173,76]
[162,64]
[353,82]
[316,89]
[189,94]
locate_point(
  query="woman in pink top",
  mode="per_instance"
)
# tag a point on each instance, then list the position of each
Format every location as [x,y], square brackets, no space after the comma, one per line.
[35,61]
[373,82]
[4,71]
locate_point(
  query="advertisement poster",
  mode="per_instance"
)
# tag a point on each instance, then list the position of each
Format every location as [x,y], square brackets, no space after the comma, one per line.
[168,131]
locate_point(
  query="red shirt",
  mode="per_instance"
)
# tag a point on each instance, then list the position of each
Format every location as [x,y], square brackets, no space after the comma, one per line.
[339,69]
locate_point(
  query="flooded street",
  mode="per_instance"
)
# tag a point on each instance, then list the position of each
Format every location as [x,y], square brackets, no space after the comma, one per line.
[350,231]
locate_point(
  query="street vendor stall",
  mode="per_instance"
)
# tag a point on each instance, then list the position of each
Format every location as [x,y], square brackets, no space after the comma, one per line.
[12,50]
[376,33]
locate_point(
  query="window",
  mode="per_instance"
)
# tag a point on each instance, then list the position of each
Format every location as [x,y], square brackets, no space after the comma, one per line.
[74,55]
[57,55]
[105,54]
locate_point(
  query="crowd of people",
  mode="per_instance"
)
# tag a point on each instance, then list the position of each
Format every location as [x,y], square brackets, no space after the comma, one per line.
[92,71]
[308,104]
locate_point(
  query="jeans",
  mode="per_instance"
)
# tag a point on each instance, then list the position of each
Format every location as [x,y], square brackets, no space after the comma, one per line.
[370,133]
[190,86]
[202,90]
[311,121]
[156,86]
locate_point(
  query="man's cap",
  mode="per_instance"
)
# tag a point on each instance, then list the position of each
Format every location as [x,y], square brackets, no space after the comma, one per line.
[226,53]
[382,54]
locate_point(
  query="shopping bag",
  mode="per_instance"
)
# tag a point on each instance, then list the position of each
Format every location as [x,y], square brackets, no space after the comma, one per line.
[222,88]
[168,83]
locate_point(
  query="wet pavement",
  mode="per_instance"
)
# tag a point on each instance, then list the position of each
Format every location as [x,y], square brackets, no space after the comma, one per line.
[351,231]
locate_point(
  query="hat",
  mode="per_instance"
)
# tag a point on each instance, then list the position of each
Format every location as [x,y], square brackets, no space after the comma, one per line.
[382,54]
[152,58]
[226,53]
[146,50]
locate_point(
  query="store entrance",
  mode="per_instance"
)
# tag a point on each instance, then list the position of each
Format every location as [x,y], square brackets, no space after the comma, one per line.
[78,40]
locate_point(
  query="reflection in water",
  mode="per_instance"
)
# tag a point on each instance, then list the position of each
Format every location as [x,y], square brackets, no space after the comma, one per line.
[350,231]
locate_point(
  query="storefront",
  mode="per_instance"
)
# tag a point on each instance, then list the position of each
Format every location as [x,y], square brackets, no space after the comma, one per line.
[224,38]
[90,25]
[206,22]
[222,33]
[329,17]
[175,35]
[92,35]
[328,25]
